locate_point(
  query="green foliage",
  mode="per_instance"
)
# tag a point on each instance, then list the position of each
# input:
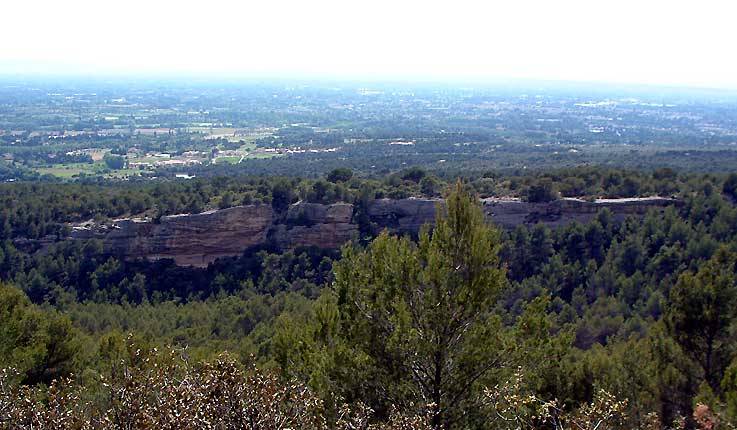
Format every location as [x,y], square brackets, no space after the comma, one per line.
[41,345]
[541,191]
[414,174]
[730,186]
[641,307]
[583,308]
[81,271]
[147,389]
[242,323]
[430,186]
[729,388]
[340,174]
[417,320]
[702,308]
[516,407]
[282,195]
[114,162]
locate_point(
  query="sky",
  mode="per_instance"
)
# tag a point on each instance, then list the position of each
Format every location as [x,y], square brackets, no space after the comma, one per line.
[673,42]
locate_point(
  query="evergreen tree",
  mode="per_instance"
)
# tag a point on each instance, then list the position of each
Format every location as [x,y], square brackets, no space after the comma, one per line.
[41,345]
[418,318]
[702,309]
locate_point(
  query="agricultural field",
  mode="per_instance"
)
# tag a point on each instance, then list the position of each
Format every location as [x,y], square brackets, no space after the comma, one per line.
[267,128]
[74,170]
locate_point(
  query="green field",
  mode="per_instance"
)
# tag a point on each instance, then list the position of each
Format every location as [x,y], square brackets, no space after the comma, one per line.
[262,155]
[231,160]
[75,169]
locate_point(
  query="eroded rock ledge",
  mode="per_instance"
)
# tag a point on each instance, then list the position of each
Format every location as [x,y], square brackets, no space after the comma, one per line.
[199,239]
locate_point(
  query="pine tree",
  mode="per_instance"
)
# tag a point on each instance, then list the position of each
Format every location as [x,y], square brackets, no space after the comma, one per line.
[703,307]
[418,318]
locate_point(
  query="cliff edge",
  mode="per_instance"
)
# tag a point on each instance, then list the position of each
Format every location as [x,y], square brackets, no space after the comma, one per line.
[199,239]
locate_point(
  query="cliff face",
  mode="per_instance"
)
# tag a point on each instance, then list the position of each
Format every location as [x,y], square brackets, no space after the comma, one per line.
[192,240]
[403,216]
[326,226]
[509,213]
[199,239]
[408,215]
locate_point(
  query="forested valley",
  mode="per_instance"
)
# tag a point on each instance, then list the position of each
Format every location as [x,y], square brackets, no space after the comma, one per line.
[615,323]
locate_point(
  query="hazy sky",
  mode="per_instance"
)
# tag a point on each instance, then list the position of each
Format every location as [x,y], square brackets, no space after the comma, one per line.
[643,41]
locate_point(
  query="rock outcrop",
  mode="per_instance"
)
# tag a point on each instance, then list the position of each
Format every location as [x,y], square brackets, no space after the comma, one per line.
[510,212]
[313,224]
[192,240]
[404,215]
[408,215]
[199,239]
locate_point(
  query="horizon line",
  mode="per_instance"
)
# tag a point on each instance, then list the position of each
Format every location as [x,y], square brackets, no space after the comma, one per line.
[296,77]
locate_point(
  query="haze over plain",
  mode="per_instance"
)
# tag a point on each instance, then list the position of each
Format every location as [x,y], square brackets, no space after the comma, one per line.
[653,42]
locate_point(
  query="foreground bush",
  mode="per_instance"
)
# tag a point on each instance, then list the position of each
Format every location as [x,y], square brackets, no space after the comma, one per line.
[164,391]
[155,390]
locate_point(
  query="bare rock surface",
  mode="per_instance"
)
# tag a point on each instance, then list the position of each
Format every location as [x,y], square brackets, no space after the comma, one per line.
[313,224]
[199,239]
[511,212]
[192,239]
[403,215]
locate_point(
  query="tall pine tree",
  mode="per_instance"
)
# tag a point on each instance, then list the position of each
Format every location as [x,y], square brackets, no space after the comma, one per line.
[416,320]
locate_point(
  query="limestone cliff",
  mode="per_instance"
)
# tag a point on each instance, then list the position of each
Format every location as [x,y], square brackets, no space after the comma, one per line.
[313,224]
[199,239]
[510,212]
[404,215]
[192,240]
[408,215]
